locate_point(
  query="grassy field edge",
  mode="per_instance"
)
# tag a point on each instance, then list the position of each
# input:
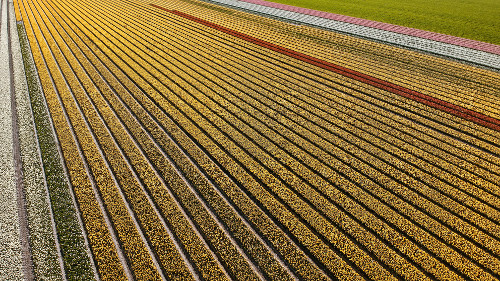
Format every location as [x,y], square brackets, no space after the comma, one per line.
[473,20]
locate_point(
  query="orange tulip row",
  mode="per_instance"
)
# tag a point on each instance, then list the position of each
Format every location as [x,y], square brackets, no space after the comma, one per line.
[444,79]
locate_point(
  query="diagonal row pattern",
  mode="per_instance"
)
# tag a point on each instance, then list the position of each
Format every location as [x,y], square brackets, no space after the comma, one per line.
[194,154]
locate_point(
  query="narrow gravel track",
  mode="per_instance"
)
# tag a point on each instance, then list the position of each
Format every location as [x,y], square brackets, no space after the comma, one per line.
[202,142]
[20,187]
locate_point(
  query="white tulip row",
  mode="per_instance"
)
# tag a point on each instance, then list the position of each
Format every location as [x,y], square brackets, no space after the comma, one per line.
[38,213]
[44,245]
[416,43]
[10,244]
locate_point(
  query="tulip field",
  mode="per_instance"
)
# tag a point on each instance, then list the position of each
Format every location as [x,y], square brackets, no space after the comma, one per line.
[201,142]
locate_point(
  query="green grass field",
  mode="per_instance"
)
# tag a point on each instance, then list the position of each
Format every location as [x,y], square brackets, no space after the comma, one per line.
[478,20]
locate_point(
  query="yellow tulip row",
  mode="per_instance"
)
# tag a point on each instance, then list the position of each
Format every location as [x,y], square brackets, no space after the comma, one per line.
[378,66]
[326,109]
[99,237]
[486,187]
[363,58]
[281,141]
[203,90]
[340,57]
[253,215]
[162,138]
[270,106]
[327,82]
[247,273]
[488,184]
[313,152]
[240,63]
[208,266]
[163,89]
[155,231]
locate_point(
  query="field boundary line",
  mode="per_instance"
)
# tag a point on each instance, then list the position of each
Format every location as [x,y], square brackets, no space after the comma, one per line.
[12,247]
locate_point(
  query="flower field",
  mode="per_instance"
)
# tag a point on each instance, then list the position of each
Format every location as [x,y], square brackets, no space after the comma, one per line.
[202,142]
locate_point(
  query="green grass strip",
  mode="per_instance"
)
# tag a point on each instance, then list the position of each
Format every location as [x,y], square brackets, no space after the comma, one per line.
[74,250]
[478,20]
